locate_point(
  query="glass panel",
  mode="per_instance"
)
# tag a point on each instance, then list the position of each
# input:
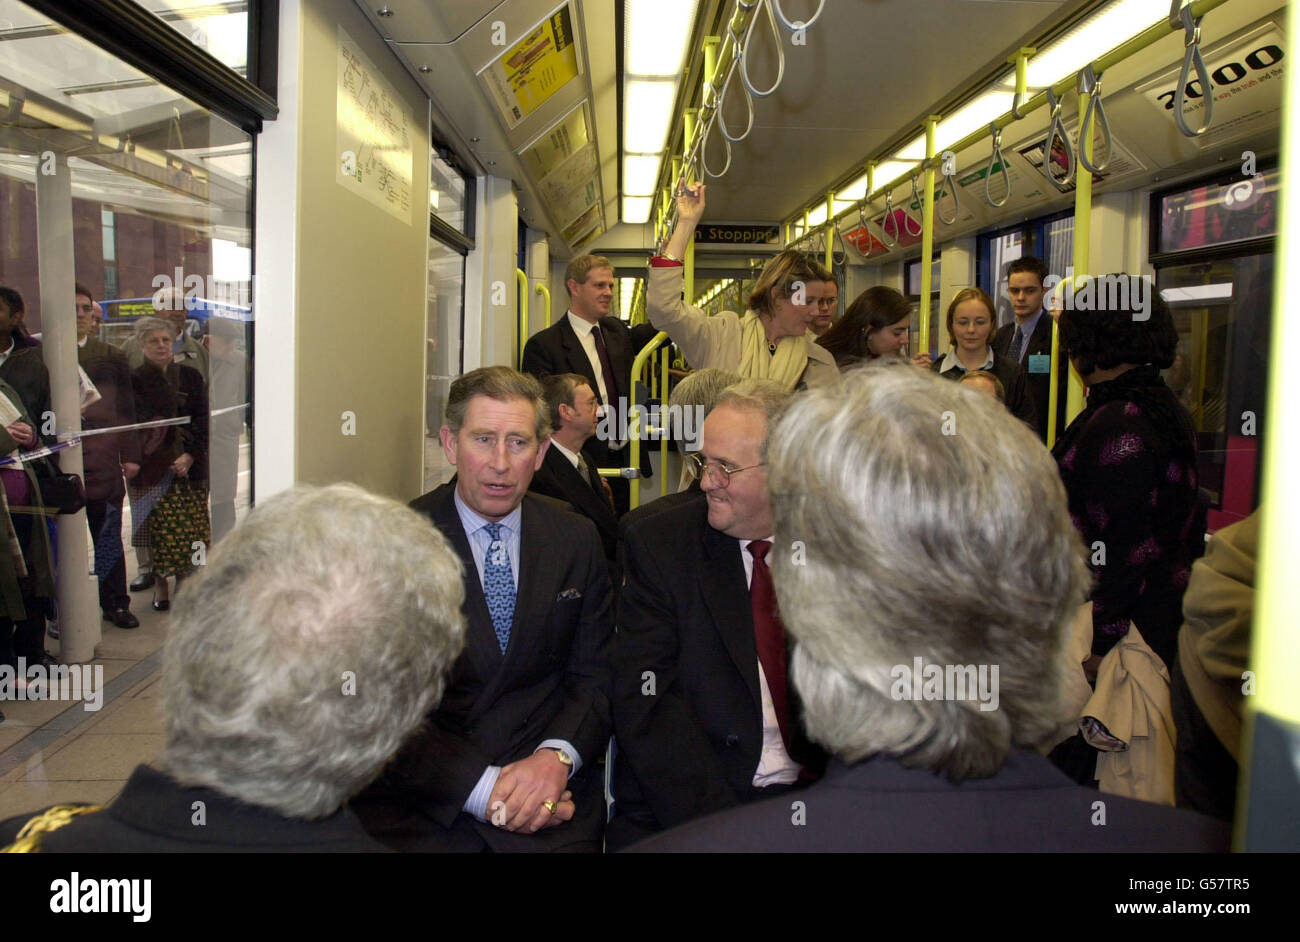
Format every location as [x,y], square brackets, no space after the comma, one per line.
[1220,213]
[219,26]
[1058,251]
[141,191]
[914,276]
[1003,250]
[445,335]
[447,193]
[1222,310]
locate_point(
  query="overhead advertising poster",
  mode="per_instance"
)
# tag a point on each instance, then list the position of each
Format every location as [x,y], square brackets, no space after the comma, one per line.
[534,69]
[574,186]
[1247,76]
[562,141]
[374,146]
[590,220]
[1121,162]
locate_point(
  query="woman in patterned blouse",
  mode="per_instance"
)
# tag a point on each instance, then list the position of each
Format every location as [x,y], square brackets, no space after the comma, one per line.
[1128,462]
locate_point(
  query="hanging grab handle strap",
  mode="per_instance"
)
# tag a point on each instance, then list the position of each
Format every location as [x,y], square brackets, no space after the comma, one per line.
[1181,12]
[996,160]
[949,185]
[1058,131]
[1090,84]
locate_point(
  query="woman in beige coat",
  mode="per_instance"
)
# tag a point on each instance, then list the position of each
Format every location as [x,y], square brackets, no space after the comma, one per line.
[771,340]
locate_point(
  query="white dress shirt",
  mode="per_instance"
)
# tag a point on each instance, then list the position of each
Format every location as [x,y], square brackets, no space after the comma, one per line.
[583,329]
[775,767]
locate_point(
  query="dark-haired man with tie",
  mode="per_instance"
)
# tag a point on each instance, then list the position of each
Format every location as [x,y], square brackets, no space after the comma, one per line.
[704,716]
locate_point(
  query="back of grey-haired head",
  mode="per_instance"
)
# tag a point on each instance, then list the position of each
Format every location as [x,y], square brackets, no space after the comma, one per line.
[702,388]
[314,640]
[759,395]
[500,383]
[147,325]
[933,525]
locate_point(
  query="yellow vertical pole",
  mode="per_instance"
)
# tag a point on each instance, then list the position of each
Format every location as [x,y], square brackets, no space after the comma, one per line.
[927,231]
[1271,721]
[1082,219]
[688,257]
[521,280]
[830,230]
[663,411]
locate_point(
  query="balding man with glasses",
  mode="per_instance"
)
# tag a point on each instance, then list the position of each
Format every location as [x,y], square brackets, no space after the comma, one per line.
[704,716]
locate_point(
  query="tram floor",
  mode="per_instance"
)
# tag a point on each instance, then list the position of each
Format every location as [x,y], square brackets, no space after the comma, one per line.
[54,751]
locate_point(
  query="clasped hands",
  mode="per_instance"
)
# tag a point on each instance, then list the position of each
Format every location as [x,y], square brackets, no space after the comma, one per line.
[518,800]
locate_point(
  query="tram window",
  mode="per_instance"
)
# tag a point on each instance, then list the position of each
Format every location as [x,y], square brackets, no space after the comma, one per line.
[1234,209]
[996,251]
[172,210]
[449,192]
[445,331]
[1222,310]
[218,26]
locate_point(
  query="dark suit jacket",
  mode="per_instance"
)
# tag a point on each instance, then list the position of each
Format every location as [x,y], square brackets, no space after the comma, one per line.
[155,815]
[552,683]
[880,805]
[178,391]
[103,454]
[1040,384]
[25,371]
[559,479]
[691,747]
[556,349]
[1015,385]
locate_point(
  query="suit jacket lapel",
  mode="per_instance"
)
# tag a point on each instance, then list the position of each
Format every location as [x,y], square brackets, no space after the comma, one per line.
[575,356]
[538,581]
[1041,342]
[481,639]
[722,583]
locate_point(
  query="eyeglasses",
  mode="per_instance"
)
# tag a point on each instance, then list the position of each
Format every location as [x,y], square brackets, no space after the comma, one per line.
[698,467]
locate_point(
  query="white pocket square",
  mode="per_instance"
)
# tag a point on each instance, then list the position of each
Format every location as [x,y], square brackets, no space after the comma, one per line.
[568,594]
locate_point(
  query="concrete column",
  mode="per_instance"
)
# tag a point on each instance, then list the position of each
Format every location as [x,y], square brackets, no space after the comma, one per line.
[79,628]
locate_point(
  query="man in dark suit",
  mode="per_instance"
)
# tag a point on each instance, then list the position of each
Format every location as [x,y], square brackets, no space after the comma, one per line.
[567,472]
[107,459]
[937,708]
[509,761]
[595,345]
[1028,340]
[702,716]
[265,743]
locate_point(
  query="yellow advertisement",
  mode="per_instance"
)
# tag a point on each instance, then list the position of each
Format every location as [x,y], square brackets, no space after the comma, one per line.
[534,69]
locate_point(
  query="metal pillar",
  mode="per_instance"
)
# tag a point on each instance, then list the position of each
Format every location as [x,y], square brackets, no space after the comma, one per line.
[79,628]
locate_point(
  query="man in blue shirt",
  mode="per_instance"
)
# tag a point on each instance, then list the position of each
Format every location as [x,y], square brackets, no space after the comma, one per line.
[508,761]
[1028,341]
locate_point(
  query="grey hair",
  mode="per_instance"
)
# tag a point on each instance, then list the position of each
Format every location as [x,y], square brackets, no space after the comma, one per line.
[311,644]
[147,325]
[702,388]
[757,395]
[934,525]
[500,383]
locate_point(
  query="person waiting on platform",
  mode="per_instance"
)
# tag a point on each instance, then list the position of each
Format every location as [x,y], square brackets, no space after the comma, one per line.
[971,322]
[298,660]
[874,497]
[875,325]
[1128,461]
[772,340]
[169,496]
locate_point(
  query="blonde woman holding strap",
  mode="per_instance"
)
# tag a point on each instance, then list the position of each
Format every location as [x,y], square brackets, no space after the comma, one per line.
[772,340]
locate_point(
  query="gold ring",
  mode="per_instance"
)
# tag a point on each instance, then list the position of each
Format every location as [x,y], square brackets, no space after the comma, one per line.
[549,806]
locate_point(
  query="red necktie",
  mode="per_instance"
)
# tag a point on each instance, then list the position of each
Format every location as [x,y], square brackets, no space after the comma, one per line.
[611,381]
[769,634]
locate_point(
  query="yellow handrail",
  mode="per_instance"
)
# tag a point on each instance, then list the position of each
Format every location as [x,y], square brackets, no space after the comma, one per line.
[927,231]
[634,418]
[545,292]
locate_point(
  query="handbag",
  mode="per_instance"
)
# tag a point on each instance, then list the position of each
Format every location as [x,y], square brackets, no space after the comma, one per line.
[60,493]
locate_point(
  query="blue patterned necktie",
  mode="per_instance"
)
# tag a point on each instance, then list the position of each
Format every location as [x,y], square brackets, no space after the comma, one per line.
[1017,344]
[499,585]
